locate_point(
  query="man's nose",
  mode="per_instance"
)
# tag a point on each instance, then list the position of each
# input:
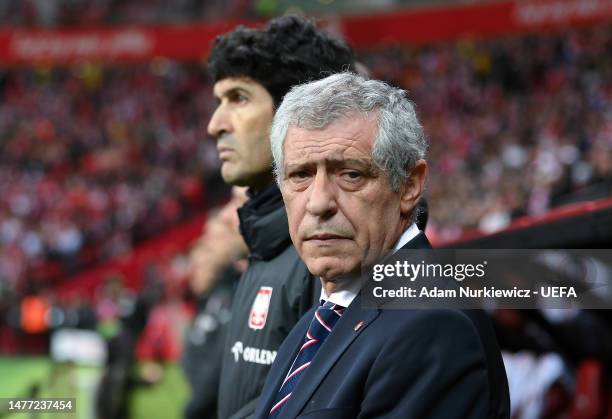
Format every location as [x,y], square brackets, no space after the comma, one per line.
[219,122]
[322,199]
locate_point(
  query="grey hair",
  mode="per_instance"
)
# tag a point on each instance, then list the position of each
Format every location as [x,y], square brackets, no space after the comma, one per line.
[399,143]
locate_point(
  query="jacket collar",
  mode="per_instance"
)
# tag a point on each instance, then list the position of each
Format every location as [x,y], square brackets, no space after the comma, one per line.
[263,223]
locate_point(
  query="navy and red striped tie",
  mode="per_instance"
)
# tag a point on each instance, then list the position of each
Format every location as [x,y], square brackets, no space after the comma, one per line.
[321,326]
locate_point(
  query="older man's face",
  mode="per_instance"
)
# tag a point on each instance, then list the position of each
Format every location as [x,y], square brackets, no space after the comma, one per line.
[341,208]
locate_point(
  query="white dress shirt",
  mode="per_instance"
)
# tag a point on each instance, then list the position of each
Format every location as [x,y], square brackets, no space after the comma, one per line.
[410,233]
[346,296]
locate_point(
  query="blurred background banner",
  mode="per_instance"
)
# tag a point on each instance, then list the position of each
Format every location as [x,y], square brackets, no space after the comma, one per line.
[191,41]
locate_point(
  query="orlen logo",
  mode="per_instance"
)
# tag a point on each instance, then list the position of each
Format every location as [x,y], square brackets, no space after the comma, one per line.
[259,310]
[253,355]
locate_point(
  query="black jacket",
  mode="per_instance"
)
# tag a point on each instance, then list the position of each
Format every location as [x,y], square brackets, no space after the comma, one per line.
[276,275]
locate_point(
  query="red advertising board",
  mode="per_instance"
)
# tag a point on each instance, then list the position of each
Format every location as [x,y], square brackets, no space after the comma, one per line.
[478,21]
[138,43]
[192,42]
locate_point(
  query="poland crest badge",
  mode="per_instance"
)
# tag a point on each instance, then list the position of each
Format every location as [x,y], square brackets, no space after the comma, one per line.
[259,311]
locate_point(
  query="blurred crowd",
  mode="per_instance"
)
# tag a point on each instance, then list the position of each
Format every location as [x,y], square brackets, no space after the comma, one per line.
[96,12]
[61,13]
[516,126]
[95,159]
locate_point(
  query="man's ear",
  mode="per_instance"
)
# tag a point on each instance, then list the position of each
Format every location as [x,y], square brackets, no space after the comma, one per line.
[413,187]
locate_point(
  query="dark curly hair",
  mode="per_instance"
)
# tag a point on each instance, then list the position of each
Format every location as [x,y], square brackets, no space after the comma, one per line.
[290,50]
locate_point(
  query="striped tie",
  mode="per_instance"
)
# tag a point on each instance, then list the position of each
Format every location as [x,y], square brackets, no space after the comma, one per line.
[321,326]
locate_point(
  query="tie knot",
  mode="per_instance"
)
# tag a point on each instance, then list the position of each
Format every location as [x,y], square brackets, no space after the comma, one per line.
[328,305]
[326,317]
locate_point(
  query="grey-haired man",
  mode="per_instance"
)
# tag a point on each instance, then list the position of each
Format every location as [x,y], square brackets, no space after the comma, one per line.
[350,162]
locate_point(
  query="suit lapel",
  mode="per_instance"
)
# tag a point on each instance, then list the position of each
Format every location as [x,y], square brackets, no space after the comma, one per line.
[334,346]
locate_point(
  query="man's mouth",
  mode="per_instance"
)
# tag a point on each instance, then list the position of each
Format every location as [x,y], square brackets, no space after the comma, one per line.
[225,152]
[324,236]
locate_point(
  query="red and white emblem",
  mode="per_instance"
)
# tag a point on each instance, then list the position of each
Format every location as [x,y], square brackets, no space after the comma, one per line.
[259,311]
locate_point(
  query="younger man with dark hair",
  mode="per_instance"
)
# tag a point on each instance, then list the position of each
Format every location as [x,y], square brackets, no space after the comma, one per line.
[253,69]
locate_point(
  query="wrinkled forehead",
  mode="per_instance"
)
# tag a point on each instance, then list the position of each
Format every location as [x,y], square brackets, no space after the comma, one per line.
[347,138]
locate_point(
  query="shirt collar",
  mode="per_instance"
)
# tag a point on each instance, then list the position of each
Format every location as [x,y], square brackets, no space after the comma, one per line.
[345,297]
[408,235]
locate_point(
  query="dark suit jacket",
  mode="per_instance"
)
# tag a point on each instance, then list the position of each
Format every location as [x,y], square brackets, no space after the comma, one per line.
[399,363]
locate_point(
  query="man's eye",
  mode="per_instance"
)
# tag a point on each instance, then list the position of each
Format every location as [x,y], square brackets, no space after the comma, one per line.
[299,176]
[302,174]
[239,98]
[351,175]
